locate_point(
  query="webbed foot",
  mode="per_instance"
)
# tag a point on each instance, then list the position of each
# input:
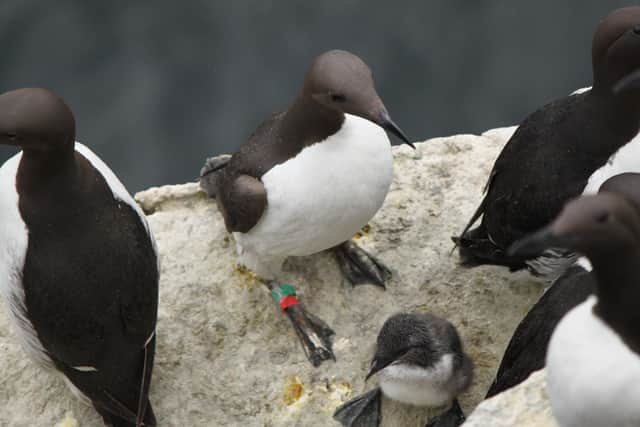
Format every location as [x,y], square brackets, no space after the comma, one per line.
[361,411]
[360,267]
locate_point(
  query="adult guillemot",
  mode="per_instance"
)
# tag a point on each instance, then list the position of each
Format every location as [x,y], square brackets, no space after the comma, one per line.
[307,180]
[527,348]
[593,360]
[78,264]
[420,361]
[556,150]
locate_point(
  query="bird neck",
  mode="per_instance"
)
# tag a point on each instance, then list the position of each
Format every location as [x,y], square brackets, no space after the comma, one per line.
[40,168]
[307,121]
[621,111]
[618,293]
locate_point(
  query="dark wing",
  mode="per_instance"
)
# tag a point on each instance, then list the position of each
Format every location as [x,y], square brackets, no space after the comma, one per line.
[234,181]
[527,348]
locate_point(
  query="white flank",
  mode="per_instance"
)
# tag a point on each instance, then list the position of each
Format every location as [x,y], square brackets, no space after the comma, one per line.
[593,377]
[419,386]
[14,240]
[321,198]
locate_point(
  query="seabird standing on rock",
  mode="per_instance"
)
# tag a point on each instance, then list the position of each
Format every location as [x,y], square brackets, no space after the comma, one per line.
[593,361]
[78,263]
[420,361]
[307,180]
[527,348]
[556,150]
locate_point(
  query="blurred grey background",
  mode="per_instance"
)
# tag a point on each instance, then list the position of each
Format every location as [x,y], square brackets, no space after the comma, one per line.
[156,86]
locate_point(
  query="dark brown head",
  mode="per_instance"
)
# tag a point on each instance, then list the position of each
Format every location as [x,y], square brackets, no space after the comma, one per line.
[339,80]
[616,51]
[36,120]
[597,226]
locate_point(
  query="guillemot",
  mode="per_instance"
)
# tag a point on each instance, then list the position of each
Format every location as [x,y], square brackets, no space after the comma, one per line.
[420,361]
[527,348]
[593,360]
[78,263]
[556,150]
[307,180]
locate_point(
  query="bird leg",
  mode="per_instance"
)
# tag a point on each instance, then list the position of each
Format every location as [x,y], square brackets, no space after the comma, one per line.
[360,267]
[314,334]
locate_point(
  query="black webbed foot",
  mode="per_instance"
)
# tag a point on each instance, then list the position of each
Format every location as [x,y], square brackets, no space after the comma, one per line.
[360,267]
[453,417]
[314,334]
[361,411]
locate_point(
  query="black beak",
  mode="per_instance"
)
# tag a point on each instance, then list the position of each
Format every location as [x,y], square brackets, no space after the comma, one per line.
[630,81]
[375,367]
[536,243]
[389,125]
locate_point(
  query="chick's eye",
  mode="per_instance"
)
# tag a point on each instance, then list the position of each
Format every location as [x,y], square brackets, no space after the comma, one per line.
[636,29]
[602,217]
[337,97]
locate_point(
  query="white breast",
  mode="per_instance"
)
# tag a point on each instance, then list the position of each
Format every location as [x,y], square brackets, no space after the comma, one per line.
[594,378]
[324,195]
[415,385]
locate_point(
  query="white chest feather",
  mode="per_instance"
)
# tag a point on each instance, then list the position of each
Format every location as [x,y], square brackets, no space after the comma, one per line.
[325,194]
[626,159]
[594,378]
[419,386]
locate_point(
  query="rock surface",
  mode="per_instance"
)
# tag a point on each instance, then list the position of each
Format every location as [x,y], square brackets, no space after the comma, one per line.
[227,356]
[525,405]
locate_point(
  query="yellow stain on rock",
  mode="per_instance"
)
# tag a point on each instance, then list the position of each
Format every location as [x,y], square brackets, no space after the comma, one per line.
[68,421]
[250,280]
[293,390]
[363,232]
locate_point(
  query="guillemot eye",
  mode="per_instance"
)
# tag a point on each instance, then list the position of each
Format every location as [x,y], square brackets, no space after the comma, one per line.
[337,97]
[602,217]
[636,29]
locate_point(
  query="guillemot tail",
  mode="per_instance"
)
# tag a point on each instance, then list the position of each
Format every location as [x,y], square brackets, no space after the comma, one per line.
[476,248]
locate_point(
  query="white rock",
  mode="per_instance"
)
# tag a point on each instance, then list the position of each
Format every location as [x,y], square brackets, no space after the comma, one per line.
[227,356]
[525,405]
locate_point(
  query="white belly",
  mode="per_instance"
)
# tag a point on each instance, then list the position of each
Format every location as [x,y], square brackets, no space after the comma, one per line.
[323,196]
[594,378]
[419,386]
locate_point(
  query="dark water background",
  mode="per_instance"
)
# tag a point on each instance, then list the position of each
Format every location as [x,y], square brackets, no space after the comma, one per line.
[156,86]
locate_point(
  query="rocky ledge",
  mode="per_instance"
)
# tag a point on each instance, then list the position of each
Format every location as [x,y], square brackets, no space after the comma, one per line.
[227,356]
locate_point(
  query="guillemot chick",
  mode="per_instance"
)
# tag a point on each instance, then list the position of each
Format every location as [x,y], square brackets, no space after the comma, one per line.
[307,180]
[556,150]
[527,348]
[420,361]
[78,263]
[593,360]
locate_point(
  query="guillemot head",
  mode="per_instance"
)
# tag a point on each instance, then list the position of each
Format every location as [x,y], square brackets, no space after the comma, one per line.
[420,360]
[36,120]
[597,226]
[616,51]
[341,81]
